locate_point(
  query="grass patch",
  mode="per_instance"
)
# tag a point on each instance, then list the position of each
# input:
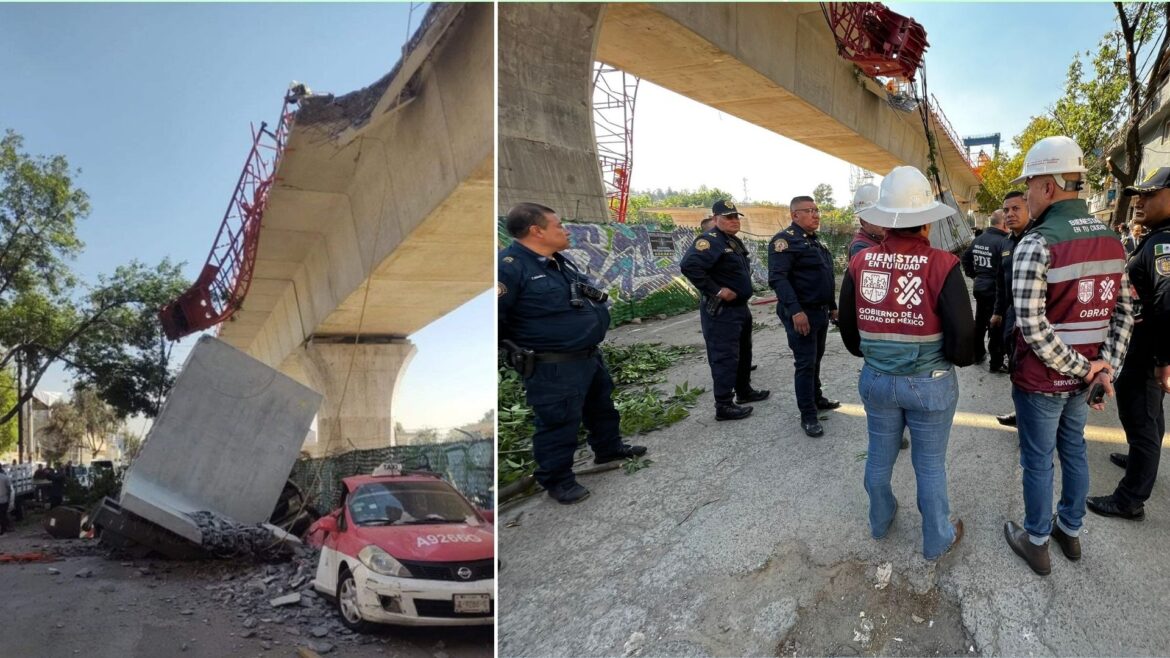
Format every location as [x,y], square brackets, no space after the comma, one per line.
[634,369]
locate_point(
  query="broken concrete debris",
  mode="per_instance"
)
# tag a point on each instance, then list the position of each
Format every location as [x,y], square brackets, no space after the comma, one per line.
[289,599]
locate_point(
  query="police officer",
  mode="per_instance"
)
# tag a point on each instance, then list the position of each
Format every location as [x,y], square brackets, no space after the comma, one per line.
[1003,319]
[800,270]
[718,264]
[1145,377]
[551,320]
[981,262]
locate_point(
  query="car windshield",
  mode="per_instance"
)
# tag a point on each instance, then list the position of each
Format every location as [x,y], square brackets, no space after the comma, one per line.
[409,503]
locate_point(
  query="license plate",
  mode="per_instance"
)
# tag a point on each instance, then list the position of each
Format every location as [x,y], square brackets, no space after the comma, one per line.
[473,603]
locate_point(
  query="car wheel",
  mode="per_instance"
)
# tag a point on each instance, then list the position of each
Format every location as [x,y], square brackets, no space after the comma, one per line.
[347,603]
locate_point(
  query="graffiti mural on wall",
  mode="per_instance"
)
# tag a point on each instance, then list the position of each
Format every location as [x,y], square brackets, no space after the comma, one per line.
[633,261]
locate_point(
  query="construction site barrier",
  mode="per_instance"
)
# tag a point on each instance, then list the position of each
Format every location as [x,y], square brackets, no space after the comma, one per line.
[468,465]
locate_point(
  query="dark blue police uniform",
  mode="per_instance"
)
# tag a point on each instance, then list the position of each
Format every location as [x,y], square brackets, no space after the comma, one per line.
[983,263]
[539,310]
[1139,392]
[800,270]
[717,260]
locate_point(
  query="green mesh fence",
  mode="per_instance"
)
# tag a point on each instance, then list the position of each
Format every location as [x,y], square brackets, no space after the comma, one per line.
[468,465]
[638,264]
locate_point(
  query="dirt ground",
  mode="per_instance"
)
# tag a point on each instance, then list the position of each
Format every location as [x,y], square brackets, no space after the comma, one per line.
[87,602]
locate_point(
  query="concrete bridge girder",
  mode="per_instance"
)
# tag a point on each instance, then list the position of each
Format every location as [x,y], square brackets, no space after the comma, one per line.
[377,221]
[773,65]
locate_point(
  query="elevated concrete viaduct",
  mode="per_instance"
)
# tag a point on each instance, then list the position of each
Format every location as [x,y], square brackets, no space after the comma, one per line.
[774,65]
[378,224]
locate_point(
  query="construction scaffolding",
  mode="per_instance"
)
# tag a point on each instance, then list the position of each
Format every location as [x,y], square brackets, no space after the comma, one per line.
[224,280]
[614,94]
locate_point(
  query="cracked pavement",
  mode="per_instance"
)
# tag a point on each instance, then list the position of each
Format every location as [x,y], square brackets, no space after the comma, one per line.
[729,540]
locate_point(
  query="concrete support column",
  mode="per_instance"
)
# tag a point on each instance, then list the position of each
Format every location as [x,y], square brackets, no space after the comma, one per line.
[548,153]
[359,383]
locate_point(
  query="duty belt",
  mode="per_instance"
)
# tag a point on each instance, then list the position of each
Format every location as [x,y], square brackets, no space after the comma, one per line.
[562,357]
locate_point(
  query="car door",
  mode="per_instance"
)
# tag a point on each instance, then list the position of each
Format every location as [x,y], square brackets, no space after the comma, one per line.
[330,560]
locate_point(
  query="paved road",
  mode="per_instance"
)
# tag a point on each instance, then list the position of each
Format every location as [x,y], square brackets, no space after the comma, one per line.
[741,536]
[154,608]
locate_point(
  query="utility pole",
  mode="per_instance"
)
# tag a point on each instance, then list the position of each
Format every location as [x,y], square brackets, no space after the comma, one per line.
[745,194]
[20,412]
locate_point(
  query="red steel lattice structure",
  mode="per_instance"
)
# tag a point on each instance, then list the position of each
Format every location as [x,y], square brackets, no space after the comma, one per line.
[614,93]
[224,280]
[877,40]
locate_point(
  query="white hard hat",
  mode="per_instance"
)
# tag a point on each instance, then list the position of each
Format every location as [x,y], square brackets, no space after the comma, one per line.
[865,196]
[905,200]
[1052,155]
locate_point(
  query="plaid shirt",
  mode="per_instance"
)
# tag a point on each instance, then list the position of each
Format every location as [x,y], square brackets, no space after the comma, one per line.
[1029,290]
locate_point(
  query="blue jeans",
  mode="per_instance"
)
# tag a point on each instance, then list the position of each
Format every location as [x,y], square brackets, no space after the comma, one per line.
[926,404]
[1047,423]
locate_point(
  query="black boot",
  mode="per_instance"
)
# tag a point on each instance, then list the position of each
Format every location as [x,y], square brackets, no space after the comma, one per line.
[731,411]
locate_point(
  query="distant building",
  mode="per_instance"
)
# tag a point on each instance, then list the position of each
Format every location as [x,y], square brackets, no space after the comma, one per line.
[1154,135]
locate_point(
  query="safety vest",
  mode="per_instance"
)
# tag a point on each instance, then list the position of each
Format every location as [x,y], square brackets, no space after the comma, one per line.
[1084,277]
[897,285]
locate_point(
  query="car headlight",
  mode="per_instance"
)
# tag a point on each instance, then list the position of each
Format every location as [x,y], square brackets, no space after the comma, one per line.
[379,561]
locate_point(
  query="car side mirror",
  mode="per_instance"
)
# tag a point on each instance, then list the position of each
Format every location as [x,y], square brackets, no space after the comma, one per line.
[328,524]
[488,515]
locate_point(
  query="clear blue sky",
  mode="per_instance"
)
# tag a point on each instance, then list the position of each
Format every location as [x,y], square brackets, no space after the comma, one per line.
[153,103]
[993,66]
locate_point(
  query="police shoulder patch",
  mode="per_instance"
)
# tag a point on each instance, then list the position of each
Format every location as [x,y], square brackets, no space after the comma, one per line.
[702,244]
[779,245]
[501,289]
[1162,265]
[1161,249]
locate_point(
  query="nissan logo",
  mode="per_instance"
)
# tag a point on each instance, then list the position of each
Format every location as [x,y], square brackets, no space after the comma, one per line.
[464,573]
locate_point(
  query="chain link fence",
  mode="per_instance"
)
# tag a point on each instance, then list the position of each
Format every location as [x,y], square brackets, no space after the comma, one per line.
[638,264]
[468,465]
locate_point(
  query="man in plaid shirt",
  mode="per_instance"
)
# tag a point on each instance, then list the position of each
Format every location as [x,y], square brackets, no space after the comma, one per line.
[1074,318]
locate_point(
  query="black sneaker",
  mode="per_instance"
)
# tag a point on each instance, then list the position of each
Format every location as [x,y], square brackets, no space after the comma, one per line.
[812,428]
[1007,419]
[729,411]
[752,395]
[568,493]
[825,404]
[1119,459]
[625,452]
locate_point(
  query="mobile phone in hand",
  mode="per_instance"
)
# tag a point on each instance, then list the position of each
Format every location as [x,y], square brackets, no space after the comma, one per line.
[1096,394]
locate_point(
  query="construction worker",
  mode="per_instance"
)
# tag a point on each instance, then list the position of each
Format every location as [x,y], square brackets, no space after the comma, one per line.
[551,321]
[1073,324]
[1003,320]
[981,262]
[800,270]
[904,308]
[868,235]
[719,265]
[1145,378]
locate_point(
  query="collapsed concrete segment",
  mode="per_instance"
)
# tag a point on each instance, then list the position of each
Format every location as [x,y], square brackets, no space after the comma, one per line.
[224,443]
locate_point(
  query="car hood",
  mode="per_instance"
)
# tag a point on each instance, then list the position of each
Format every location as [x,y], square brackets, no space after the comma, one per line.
[443,542]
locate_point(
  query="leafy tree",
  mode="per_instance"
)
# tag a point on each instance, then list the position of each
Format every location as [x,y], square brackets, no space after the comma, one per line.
[8,431]
[1138,25]
[823,195]
[98,420]
[62,433]
[131,445]
[126,358]
[999,171]
[43,314]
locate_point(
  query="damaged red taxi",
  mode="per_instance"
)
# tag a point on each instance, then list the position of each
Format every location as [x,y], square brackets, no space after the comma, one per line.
[406,548]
